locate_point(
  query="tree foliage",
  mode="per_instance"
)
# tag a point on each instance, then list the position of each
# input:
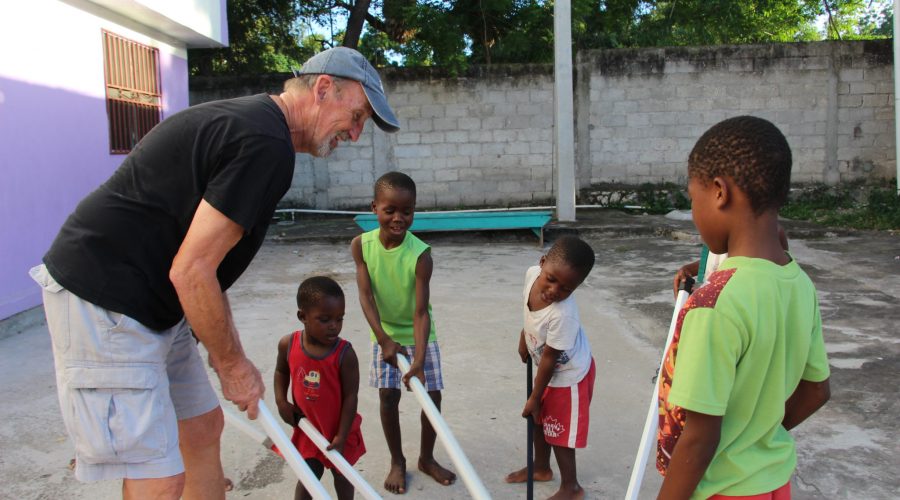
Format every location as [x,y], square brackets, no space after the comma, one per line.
[263,36]
[268,34]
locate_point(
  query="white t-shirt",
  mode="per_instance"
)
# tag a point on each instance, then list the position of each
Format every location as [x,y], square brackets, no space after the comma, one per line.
[558,326]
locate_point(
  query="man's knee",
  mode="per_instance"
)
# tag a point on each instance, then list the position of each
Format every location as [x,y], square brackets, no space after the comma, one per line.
[162,488]
[201,431]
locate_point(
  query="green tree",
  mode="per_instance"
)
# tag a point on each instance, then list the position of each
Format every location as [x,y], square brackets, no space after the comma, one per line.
[263,35]
[274,35]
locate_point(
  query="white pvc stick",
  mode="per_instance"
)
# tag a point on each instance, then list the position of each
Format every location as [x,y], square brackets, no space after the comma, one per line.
[243,425]
[338,460]
[289,452]
[466,471]
[652,421]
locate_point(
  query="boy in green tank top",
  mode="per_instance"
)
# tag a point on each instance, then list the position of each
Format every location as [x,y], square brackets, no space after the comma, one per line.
[393,271]
[747,361]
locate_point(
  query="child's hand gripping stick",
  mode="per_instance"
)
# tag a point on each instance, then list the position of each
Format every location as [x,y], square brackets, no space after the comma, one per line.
[338,460]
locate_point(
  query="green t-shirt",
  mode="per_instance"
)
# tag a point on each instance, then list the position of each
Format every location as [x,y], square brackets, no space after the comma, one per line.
[393,276]
[743,349]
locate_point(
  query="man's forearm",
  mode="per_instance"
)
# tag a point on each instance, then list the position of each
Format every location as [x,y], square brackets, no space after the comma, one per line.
[208,312]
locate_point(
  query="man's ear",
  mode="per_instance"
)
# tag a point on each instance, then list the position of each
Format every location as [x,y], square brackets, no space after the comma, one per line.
[322,85]
[373,206]
[722,190]
[543,259]
[301,316]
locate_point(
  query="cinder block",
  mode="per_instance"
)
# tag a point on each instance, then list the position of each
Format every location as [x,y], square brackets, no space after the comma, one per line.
[433,138]
[409,138]
[457,136]
[446,174]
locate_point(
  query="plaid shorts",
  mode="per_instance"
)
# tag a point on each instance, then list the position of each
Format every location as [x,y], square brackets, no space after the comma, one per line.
[385,376]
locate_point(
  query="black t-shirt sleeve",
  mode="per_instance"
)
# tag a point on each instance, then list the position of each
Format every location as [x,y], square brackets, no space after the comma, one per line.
[249,179]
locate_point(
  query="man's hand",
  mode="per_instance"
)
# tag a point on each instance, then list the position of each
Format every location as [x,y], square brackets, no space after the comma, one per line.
[241,384]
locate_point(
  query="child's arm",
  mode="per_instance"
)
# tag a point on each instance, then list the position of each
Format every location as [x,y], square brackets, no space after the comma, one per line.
[807,398]
[541,380]
[421,317]
[349,392]
[693,453]
[389,348]
[288,411]
[523,349]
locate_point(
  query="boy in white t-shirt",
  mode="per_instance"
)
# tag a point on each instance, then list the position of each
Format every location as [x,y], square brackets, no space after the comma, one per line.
[564,384]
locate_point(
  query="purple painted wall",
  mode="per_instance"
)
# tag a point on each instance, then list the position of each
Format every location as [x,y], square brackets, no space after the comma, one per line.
[54,150]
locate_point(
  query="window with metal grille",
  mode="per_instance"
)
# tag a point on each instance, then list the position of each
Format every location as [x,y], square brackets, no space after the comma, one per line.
[133,93]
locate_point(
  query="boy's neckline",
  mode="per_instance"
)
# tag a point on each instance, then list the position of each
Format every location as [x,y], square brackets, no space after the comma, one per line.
[399,243]
[304,340]
[787,255]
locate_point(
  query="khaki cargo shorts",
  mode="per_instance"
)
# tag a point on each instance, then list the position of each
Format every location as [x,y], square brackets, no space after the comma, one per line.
[122,386]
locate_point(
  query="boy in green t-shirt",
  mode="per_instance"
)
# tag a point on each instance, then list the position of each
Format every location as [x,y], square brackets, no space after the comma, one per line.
[747,362]
[393,271]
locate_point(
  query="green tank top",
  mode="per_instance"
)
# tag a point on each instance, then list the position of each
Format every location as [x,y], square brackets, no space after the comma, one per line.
[393,276]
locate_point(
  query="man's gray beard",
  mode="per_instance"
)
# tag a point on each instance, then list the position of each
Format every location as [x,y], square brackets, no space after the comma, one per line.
[324,148]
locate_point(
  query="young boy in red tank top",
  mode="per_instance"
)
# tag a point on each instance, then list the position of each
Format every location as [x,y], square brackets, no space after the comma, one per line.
[322,371]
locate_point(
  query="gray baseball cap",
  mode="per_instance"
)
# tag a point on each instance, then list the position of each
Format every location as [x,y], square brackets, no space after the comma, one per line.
[348,63]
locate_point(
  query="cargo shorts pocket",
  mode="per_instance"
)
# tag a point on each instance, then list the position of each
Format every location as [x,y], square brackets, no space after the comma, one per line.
[116,414]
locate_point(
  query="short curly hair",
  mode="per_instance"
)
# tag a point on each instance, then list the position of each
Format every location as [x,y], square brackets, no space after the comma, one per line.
[316,288]
[395,180]
[752,152]
[573,252]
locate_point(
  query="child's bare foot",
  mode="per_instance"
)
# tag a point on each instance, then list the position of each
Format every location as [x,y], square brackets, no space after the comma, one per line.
[521,475]
[434,469]
[568,493]
[396,478]
[229,485]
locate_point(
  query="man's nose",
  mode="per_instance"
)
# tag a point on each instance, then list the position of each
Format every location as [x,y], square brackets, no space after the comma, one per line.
[356,131]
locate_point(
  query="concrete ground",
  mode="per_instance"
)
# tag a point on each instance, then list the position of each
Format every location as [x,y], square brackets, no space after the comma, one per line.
[847,450]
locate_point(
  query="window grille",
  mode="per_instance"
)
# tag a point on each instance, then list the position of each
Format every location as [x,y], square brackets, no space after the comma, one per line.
[133,93]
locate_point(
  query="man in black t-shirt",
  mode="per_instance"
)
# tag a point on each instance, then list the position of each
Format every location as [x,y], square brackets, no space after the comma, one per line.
[146,258]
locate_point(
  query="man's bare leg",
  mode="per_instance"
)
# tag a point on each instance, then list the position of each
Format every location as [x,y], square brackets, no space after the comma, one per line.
[163,488]
[199,443]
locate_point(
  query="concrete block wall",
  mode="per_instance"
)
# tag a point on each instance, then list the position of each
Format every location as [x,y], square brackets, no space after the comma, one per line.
[833,101]
[465,141]
[485,138]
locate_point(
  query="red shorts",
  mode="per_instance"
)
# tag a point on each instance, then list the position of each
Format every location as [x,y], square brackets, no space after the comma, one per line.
[783,493]
[565,412]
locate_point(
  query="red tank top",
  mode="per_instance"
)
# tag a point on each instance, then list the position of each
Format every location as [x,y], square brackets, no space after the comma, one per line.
[316,387]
